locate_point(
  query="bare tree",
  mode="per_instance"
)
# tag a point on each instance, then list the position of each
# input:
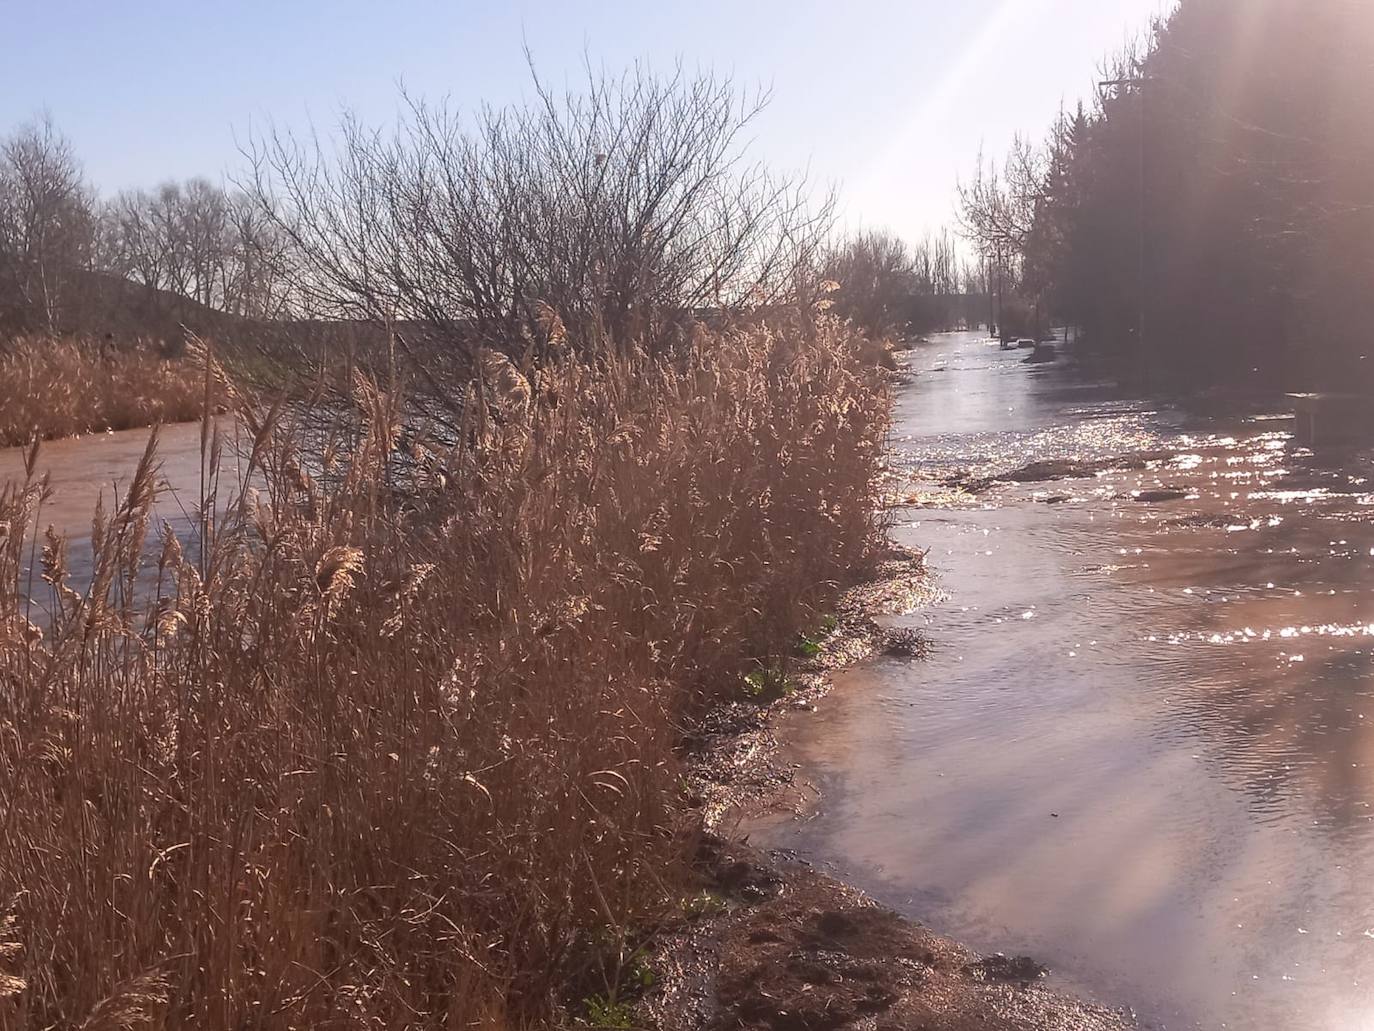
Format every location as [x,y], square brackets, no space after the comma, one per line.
[997,212]
[204,218]
[257,282]
[877,278]
[997,207]
[46,221]
[197,240]
[129,242]
[886,287]
[617,207]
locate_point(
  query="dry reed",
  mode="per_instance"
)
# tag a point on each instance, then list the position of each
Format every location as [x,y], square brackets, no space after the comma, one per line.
[60,387]
[396,746]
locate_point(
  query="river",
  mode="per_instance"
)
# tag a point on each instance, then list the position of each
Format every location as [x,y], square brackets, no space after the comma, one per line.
[1142,747]
[87,469]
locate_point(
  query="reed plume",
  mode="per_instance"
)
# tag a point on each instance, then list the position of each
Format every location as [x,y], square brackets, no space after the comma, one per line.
[376,742]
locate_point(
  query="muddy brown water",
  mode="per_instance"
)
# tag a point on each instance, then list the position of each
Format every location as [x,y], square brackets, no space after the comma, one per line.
[1142,749]
[83,470]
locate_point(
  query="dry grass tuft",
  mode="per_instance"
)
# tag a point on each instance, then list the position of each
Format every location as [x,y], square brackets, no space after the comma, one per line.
[59,387]
[399,750]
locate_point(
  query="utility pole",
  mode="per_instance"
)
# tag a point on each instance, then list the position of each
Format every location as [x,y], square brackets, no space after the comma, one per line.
[987,285]
[1001,304]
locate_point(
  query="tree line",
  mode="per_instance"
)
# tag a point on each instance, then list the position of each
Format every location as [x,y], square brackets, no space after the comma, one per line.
[621,205]
[889,287]
[1209,218]
[195,239]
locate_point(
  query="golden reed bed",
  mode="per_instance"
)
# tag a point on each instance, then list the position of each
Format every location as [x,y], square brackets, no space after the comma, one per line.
[402,751]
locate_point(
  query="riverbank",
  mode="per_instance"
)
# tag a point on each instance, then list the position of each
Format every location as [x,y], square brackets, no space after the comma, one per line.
[791,949]
[773,944]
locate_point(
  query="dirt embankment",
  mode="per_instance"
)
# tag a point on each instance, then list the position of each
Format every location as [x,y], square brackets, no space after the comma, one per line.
[773,945]
[788,949]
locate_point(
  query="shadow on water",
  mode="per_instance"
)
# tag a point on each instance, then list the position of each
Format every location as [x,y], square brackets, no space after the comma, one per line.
[1143,747]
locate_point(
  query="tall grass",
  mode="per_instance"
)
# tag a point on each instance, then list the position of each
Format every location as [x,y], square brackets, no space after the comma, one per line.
[397,746]
[59,387]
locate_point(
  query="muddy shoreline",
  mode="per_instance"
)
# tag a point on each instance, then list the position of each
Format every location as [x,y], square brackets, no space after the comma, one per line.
[775,944]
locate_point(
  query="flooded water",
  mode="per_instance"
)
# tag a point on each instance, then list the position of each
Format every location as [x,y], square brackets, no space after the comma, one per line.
[83,470]
[1142,750]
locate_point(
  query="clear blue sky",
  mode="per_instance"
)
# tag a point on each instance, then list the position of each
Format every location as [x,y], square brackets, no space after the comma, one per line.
[888,99]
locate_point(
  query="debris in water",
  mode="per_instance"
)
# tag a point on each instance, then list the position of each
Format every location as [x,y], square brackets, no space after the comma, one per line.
[1007,969]
[905,643]
[1163,494]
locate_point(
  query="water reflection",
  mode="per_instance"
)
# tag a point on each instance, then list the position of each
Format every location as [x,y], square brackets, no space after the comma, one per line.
[1144,747]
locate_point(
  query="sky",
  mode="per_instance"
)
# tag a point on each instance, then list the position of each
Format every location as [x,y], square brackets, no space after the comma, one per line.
[890,101]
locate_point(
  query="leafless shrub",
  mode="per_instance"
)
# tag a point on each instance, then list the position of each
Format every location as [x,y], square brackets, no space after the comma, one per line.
[621,207]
